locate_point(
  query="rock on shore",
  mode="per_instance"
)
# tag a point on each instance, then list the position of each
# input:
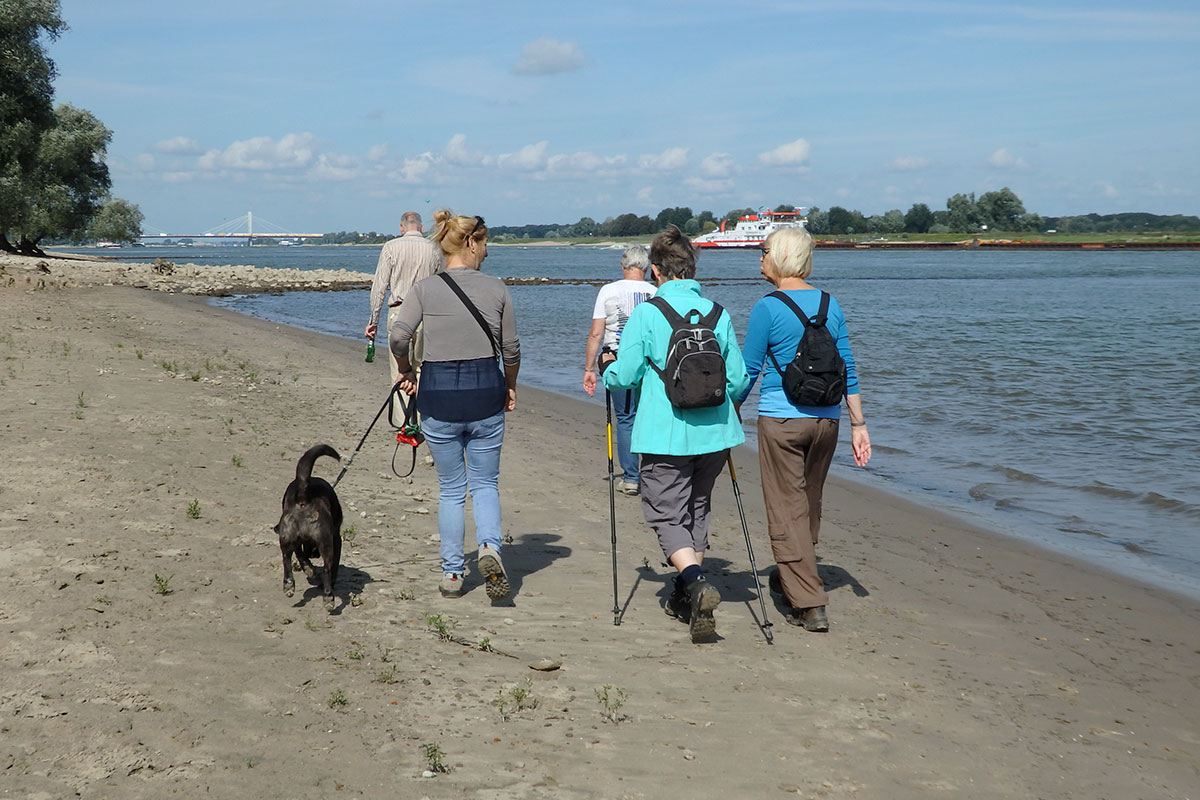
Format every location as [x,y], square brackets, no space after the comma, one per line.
[69,271]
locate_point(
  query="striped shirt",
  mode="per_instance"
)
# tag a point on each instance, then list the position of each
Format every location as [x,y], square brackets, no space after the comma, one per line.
[402,262]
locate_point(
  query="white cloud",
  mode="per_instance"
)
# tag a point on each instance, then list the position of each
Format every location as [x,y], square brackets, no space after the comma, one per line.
[548,56]
[1002,159]
[645,195]
[180,146]
[456,152]
[295,150]
[792,154]
[529,158]
[717,165]
[710,185]
[413,170]
[1107,189]
[583,162]
[669,159]
[909,163]
[144,162]
[336,167]
[378,153]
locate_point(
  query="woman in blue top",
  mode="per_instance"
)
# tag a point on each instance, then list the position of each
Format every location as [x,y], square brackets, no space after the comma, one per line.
[796,443]
[683,450]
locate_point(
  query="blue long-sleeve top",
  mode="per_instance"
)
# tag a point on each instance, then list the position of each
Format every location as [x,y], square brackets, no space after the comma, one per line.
[659,428]
[773,325]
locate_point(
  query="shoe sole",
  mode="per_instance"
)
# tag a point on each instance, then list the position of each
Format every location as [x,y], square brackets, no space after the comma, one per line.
[495,582]
[703,624]
[446,593]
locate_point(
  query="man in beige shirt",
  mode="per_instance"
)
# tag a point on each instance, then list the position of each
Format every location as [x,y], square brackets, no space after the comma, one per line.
[402,263]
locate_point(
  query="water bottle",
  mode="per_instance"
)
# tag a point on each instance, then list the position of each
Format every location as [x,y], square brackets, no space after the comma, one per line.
[370,350]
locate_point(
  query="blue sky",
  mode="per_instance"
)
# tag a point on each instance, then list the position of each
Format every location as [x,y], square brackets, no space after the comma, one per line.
[319,116]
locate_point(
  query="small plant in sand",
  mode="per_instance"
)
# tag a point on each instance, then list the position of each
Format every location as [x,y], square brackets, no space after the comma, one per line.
[356,653]
[77,414]
[387,675]
[139,352]
[433,758]
[171,367]
[337,699]
[348,534]
[66,349]
[81,401]
[442,626]
[237,460]
[406,594]
[193,509]
[120,345]
[195,376]
[485,645]
[611,700]
[385,653]
[515,700]
[162,584]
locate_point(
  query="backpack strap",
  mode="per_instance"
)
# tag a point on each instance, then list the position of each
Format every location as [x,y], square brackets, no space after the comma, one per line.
[822,310]
[474,311]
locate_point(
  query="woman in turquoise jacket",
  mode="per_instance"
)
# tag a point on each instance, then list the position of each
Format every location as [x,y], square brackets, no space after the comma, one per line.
[683,450]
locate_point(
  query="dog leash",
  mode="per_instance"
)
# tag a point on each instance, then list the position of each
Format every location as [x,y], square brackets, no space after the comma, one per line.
[409,432]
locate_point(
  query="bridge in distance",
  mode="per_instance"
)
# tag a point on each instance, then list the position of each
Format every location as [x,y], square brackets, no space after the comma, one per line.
[240,228]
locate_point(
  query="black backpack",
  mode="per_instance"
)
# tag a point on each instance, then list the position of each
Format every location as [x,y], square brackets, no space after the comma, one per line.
[694,375]
[817,375]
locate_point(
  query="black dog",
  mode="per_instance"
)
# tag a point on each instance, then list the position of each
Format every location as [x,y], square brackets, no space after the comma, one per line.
[311,525]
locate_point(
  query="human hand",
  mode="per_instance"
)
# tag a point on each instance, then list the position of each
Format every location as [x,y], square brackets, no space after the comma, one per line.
[408,382]
[589,381]
[606,358]
[860,443]
[371,331]
[511,403]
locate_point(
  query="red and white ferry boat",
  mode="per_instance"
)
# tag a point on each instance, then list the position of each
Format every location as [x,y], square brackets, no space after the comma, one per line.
[751,230]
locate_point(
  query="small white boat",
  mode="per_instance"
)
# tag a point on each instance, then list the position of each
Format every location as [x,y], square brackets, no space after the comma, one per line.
[751,230]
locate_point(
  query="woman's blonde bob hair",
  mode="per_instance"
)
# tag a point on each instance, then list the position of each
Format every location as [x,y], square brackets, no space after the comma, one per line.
[452,233]
[791,252]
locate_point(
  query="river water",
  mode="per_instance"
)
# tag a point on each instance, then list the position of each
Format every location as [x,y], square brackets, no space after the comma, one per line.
[1052,396]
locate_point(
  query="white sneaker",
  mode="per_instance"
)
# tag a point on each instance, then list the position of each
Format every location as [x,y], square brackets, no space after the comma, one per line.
[451,585]
[627,487]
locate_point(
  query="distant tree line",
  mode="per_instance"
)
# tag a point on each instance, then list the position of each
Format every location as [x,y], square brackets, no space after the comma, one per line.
[351,237]
[998,211]
[53,178]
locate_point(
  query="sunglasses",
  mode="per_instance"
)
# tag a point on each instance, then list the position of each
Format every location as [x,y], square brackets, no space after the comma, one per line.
[765,250]
[478,225]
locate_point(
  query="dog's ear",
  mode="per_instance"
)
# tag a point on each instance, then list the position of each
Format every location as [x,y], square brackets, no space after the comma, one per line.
[276,528]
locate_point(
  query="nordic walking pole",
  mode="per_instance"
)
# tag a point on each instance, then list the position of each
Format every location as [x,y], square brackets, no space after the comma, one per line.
[612,505]
[737,493]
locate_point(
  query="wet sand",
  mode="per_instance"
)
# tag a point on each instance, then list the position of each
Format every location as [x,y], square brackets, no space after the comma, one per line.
[150,652]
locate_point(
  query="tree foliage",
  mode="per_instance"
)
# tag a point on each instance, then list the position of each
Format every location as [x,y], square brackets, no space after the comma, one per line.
[117,220]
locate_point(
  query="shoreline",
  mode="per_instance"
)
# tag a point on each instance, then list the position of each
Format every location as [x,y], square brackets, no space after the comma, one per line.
[961,662]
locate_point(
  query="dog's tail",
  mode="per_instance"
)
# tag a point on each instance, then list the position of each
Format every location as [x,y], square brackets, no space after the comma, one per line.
[305,465]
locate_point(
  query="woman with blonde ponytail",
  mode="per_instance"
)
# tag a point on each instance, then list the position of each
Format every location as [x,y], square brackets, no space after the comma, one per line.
[468,382]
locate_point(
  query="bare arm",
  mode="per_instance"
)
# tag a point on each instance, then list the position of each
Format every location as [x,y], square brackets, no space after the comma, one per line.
[595,337]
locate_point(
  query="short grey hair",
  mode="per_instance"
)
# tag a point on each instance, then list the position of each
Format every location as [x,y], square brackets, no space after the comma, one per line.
[791,252]
[636,256]
[410,219]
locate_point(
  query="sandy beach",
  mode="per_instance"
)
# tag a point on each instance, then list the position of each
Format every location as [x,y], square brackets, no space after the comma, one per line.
[150,651]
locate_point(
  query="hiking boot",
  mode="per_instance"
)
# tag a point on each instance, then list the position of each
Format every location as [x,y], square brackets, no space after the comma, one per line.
[627,487]
[451,585]
[679,605]
[703,598]
[495,580]
[811,619]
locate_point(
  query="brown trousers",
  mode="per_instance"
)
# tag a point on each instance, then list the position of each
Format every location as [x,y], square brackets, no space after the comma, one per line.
[793,458]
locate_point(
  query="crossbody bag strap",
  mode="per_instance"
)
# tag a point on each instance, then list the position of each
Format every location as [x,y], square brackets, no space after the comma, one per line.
[454,287]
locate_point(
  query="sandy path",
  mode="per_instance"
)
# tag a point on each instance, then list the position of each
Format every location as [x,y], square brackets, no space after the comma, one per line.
[960,664]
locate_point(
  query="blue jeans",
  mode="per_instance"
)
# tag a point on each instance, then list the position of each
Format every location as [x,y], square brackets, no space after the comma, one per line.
[466,454]
[625,403]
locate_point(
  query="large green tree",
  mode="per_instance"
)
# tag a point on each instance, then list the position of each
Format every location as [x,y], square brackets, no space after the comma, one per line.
[918,219]
[26,100]
[1002,210]
[117,220]
[69,180]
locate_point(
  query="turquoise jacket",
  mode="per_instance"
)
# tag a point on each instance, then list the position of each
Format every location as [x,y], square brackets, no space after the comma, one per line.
[659,428]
